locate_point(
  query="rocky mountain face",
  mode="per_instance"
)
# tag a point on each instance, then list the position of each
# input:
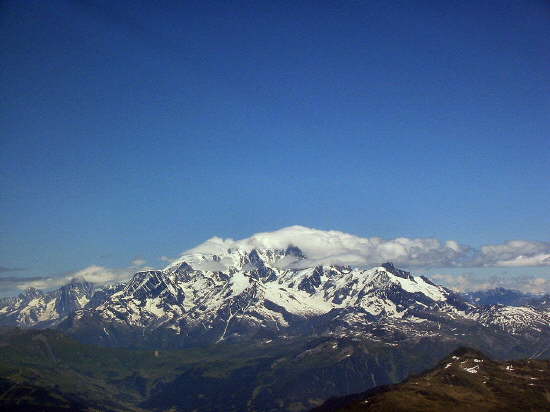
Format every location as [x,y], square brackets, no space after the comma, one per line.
[241,295]
[34,308]
[466,380]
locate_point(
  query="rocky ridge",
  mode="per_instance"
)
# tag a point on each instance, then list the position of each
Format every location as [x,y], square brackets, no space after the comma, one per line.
[265,294]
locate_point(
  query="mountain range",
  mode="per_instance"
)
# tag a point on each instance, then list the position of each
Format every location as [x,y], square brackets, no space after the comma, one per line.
[266,294]
[320,331]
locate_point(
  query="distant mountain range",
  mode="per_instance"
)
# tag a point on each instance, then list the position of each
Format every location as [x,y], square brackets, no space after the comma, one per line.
[323,330]
[507,297]
[35,308]
[242,295]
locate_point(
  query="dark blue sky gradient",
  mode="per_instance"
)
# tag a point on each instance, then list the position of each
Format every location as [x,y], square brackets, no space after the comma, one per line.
[139,129]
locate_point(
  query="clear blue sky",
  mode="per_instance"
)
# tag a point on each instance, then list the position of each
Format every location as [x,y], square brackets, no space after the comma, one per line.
[139,129]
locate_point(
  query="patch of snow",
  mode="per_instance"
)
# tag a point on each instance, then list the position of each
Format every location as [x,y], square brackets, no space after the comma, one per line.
[239,283]
[153,306]
[417,284]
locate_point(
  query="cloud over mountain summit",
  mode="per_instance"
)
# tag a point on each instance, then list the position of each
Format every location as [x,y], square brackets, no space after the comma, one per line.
[335,247]
[340,248]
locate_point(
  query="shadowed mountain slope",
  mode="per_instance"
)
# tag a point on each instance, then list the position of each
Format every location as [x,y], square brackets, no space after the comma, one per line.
[465,381]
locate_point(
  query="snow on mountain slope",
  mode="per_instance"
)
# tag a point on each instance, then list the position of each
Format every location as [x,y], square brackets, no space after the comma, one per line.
[34,307]
[246,292]
[513,319]
[150,299]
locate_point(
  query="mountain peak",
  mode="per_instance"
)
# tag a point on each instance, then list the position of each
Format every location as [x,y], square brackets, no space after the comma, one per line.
[467,352]
[31,293]
[77,280]
[390,267]
[151,284]
[78,283]
[292,250]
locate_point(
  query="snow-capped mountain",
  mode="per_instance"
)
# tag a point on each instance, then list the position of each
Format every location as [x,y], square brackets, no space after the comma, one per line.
[243,293]
[36,308]
[309,329]
[513,319]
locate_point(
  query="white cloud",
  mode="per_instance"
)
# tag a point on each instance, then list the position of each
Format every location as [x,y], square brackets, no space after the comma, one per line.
[462,283]
[96,274]
[468,282]
[138,262]
[537,260]
[334,247]
[514,253]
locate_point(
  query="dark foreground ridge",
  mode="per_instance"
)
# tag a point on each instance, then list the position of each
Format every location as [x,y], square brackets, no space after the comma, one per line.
[466,380]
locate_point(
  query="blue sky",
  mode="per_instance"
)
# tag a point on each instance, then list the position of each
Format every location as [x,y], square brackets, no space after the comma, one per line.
[140,131]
